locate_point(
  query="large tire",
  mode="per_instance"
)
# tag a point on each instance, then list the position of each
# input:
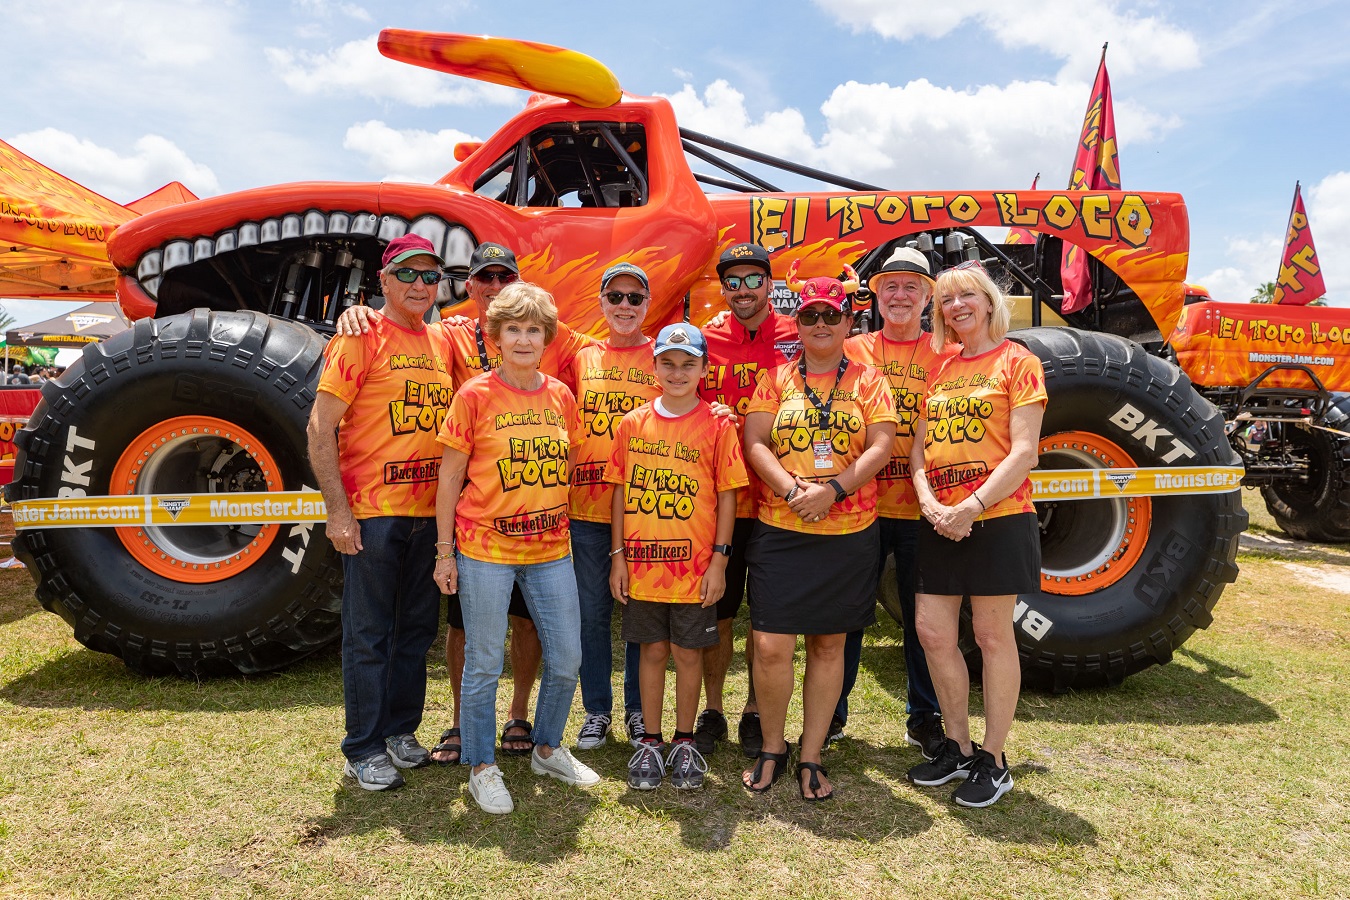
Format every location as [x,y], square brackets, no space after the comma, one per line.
[1317,508]
[193,403]
[1123,583]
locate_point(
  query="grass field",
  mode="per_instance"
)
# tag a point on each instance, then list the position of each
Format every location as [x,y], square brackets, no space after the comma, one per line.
[1218,775]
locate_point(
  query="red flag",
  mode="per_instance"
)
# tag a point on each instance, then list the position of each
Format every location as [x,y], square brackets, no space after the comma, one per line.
[1300,280]
[1095,167]
[1018,234]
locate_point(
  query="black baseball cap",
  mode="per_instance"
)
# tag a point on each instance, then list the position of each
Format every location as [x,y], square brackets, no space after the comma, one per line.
[746,254]
[490,254]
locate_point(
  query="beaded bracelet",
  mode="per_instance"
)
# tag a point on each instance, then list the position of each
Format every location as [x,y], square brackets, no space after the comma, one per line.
[440,556]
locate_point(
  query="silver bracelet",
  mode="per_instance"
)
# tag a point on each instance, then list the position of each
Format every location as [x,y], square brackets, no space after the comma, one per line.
[616,552]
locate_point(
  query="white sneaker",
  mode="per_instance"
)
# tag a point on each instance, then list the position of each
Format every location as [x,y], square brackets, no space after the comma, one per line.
[563,766]
[593,731]
[490,791]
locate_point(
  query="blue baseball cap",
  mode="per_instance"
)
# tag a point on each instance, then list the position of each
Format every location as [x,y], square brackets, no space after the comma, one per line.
[623,268]
[681,336]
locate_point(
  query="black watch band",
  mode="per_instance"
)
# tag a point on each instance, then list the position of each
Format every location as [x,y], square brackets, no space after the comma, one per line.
[839,492]
[724,549]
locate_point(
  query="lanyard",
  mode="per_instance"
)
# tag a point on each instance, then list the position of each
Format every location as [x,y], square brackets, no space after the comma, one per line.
[482,348]
[811,395]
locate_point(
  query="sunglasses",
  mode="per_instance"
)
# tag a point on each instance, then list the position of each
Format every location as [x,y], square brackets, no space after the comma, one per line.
[734,282]
[617,297]
[968,264]
[428,276]
[499,277]
[812,316]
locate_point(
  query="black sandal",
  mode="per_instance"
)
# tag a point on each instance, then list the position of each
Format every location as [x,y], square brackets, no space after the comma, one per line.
[814,784]
[448,746]
[517,739]
[750,734]
[780,762]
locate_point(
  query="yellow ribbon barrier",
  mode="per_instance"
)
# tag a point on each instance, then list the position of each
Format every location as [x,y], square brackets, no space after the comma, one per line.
[263,507]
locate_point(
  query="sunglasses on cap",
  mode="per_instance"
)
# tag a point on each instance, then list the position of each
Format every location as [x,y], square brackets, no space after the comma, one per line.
[428,276]
[617,297]
[734,282]
[499,277]
[812,316]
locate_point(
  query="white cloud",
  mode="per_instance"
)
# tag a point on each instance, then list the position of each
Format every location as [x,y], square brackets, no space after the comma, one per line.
[326,9]
[408,154]
[153,162]
[166,34]
[358,66]
[1066,29]
[920,134]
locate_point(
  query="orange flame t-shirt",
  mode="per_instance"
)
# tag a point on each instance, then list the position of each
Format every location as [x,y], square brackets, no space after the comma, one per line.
[558,359]
[670,470]
[513,506]
[612,381]
[398,384]
[968,414]
[863,398]
[907,366]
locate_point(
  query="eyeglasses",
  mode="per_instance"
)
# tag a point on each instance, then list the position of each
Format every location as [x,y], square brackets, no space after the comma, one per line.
[499,277]
[428,276]
[968,264]
[617,297]
[812,316]
[734,282]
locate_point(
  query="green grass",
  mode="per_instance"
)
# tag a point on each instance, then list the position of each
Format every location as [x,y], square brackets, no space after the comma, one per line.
[1218,775]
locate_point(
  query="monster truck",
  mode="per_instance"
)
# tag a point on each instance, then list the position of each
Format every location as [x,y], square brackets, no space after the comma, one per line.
[233,296]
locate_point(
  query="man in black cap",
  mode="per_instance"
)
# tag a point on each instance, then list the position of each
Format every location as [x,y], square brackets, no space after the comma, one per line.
[752,338]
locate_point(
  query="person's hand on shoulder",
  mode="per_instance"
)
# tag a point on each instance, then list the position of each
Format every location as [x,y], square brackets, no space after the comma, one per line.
[355,321]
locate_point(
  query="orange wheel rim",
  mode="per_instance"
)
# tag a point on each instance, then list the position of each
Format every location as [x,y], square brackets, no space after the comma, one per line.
[1088,545]
[195,455]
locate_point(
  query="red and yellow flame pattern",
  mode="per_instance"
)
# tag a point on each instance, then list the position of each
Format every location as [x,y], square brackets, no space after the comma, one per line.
[1230,344]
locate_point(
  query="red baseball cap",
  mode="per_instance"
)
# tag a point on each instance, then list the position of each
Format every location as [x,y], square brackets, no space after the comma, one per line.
[829,291]
[407,247]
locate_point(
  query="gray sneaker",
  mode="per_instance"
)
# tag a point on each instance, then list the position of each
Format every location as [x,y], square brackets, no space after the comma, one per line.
[405,752]
[687,766]
[563,766]
[646,768]
[637,729]
[374,773]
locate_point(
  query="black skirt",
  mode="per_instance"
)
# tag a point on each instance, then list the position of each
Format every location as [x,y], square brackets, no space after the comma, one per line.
[812,583]
[1001,556]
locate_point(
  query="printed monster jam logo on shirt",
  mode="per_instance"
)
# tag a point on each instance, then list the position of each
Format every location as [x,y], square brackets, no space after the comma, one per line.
[795,429]
[533,462]
[661,492]
[789,349]
[423,408]
[412,471]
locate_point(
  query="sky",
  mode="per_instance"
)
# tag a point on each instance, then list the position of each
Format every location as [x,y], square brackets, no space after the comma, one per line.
[1227,103]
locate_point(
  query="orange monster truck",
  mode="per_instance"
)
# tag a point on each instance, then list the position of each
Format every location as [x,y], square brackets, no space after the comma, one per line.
[233,297]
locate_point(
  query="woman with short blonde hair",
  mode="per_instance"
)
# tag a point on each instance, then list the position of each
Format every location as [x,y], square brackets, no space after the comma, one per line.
[522,302]
[971,278]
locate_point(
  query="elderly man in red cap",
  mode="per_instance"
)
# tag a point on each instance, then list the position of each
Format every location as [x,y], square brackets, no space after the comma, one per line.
[382,399]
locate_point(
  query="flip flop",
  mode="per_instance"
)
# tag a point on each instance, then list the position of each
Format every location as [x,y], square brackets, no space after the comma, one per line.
[517,738]
[814,784]
[448,746]
[780,762]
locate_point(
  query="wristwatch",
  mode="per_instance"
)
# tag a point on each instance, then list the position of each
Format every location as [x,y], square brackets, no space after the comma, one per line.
[724,549]
[839,492]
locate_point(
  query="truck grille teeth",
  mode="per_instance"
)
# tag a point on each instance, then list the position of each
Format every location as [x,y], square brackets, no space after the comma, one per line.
[454,242]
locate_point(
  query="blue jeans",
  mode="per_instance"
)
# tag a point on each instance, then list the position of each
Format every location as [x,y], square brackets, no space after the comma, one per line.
[590,553]
[900,537]
[390,614]
[550,590]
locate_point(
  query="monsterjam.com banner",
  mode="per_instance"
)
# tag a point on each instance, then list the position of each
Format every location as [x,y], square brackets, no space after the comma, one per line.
[1230,344]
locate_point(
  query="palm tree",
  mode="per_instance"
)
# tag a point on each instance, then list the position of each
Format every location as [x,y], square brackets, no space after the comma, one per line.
[1265,293]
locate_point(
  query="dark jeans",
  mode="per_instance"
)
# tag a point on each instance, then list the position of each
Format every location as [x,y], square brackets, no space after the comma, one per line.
[899,537]
[590,558]
[390,615]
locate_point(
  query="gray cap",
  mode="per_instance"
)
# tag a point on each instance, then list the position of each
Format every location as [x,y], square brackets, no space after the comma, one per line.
[681,336]
[623,268]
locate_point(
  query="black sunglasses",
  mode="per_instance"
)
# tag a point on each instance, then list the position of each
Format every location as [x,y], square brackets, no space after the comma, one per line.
[617,297]
[811,316]
[499,277]
[428,276]
[734,282]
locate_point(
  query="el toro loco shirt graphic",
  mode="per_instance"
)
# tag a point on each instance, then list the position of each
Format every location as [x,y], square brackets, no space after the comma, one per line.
[399,386]
[513,506]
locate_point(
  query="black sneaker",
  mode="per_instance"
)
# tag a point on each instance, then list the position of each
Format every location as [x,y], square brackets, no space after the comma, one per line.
[632,722]
[927,735]
[646,768]
[710,728]
[687,766]
[751,735]
[949,765]
[836,732]
[987,782]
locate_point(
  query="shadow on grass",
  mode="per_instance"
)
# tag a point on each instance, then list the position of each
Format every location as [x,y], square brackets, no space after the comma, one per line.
[435,808]
[86,679]
[1172,694]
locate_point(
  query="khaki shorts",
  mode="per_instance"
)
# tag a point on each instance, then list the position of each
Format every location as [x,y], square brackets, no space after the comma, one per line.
[687,625]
